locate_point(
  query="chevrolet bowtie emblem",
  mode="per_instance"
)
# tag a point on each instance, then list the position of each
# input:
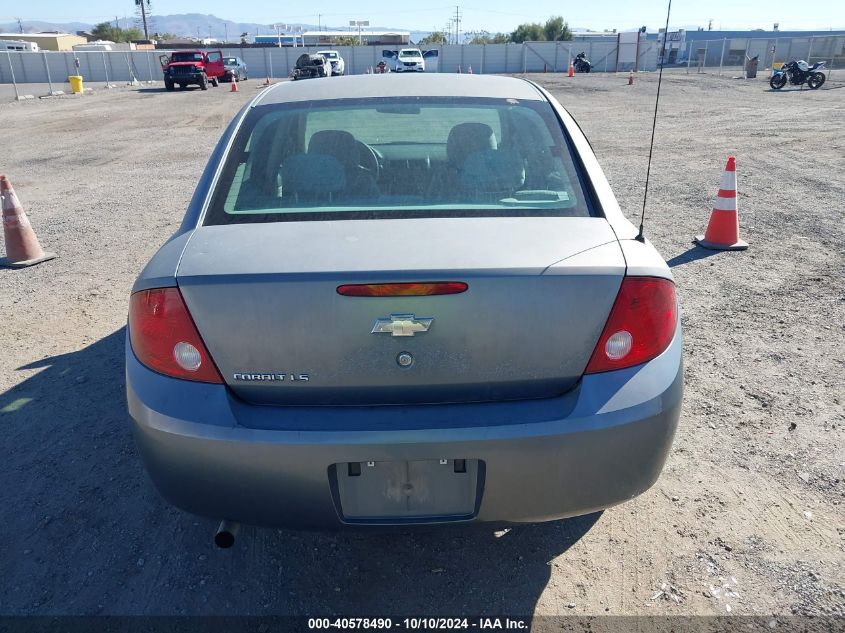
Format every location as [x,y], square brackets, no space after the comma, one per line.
[402,325]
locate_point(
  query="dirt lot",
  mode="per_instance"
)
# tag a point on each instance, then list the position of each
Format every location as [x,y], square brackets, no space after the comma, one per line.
[747,518]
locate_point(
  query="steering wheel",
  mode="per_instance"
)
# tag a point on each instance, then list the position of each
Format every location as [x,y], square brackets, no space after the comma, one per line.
[369,160]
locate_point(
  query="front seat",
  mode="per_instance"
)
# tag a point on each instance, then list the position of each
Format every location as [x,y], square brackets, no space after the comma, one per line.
[311,179]
[492,174]
[468,138]
[464,140]
[343,146]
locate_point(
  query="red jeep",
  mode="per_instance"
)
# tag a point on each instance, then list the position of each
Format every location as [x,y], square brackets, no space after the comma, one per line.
[192,67]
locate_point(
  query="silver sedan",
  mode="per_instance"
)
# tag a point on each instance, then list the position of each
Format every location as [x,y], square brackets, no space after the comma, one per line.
[406,300]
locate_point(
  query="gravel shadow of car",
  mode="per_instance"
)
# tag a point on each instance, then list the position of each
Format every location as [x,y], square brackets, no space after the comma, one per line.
[89,534]
[691,255]
[177,89]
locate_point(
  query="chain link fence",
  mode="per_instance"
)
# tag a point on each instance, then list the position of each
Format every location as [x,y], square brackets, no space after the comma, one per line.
[729,56]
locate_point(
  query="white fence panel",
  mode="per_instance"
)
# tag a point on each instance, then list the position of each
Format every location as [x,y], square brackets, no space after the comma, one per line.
[725,55]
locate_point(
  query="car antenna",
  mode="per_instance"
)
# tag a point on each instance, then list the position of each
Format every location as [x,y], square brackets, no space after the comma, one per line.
[640,237]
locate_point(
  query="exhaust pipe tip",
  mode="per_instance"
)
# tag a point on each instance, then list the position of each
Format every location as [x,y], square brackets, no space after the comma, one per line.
[226,533]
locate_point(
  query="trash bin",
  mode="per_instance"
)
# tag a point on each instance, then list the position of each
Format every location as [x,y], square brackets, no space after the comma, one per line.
[75,83]
[751,67]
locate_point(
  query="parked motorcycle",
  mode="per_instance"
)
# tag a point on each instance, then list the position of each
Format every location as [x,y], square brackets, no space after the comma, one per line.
[582,64]
[797,73]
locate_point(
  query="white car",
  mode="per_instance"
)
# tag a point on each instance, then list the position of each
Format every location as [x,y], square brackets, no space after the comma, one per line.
[338,65]
[409,60]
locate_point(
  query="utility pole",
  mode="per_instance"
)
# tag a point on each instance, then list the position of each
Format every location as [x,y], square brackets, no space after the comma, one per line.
[140,3]
[457,24]
[20,25]
[226,32]
[319,16]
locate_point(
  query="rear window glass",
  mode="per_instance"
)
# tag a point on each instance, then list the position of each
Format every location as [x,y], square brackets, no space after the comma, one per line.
[398,158]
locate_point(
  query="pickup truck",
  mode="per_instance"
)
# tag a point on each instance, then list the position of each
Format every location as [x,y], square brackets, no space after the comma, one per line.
[201,68]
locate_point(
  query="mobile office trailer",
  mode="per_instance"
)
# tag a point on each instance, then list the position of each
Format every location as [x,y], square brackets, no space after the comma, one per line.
[94,46]
[278,40]
[12,45]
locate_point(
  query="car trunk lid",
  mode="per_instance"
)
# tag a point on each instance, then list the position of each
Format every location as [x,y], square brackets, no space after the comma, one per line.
[264,298]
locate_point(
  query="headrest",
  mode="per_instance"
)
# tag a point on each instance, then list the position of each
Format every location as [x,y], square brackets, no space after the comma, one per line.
[493,170]
[466,138]
[342,145]
[312,174]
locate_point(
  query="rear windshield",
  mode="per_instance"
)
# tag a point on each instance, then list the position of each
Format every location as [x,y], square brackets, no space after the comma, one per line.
[231,61]
[398,157]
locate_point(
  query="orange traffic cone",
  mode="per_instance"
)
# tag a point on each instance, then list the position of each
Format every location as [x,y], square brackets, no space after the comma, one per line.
[267,81]
[723,230]
[571,72]
[22,247]
[234,87]
[631,78]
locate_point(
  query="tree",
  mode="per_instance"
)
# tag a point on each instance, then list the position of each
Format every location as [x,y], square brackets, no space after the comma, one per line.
[130,35]
[437,37]
[106,31]
[346,40]
[528,32]
[556,29]
[487,38]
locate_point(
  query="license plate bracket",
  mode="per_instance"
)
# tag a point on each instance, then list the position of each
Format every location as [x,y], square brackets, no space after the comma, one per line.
[407,491]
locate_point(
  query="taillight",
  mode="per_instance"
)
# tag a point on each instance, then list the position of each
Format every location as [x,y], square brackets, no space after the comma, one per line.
[640,327]
[424,289]
[165,339]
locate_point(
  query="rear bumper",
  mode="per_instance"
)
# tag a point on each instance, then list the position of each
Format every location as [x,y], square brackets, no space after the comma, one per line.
[603,443]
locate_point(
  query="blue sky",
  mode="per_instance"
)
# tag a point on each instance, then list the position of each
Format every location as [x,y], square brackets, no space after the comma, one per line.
[490,15]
